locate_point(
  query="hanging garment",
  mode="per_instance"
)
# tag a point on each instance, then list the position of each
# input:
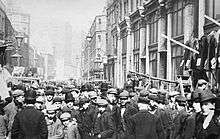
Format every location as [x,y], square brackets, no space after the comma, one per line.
[202,56]
[211,52]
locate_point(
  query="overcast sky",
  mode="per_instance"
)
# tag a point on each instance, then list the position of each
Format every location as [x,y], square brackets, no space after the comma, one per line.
[79,13]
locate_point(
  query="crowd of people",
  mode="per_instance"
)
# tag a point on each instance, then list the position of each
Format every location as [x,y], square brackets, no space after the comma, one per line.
[60,111]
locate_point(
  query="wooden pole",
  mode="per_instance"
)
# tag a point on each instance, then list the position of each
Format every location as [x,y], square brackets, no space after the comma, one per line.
[211,19]
[183,45]
[153,78]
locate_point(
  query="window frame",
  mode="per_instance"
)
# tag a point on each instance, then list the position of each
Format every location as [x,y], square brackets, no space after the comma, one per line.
[178,18]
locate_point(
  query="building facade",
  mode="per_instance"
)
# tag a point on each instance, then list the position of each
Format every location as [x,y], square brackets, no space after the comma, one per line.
[94,50]
[134,35]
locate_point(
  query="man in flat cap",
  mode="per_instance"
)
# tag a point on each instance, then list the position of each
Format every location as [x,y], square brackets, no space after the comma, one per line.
[144,124]
[103,128]
[126,111]
[85,119]
[54,124]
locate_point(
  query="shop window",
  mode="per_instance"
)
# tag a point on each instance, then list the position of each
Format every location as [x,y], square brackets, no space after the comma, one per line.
[153,25]
[178,18]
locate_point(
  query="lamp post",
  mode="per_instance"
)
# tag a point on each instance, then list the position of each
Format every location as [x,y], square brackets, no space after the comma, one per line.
[19,39]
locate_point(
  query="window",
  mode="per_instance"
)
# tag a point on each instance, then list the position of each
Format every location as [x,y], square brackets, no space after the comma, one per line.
[124,41]
[121,9]
[136,36]
[136,62]
[178,18]
[137,3]
[124,68]
[153,63]
[99,37]
[212,9]
[126,7]
[177,54]
[132,5]
[153,25]
[100,21]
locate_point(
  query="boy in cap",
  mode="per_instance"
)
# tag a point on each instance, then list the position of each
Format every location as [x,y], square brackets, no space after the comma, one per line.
[54,125]
[40,103]
[104,123]
[70,126]
[49,97]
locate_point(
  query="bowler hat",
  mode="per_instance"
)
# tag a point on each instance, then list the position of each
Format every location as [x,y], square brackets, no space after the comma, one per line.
[69,97]
[30,95]
[143,100]
[217,104]
[144,93]
[180,98]
[153,97]
[83,101]
[207,95]
[124,94]
[57,99]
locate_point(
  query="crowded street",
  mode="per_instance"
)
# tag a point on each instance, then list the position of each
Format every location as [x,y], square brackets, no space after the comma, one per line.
[110,69]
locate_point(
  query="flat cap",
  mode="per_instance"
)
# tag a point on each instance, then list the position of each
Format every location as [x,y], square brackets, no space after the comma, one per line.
[93,94]
[181,98]
[49,92]
[101,102]
[124,94]
[174,93]
[112,91]
[153,90]
[65,116]
[17,93]
[51,108]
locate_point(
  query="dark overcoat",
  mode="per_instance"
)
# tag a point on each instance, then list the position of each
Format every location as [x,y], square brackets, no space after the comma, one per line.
[29,123]
[85,124]
[145,125]
[104,126]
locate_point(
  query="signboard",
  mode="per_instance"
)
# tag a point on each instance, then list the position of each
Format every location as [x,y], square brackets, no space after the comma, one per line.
[18,71]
